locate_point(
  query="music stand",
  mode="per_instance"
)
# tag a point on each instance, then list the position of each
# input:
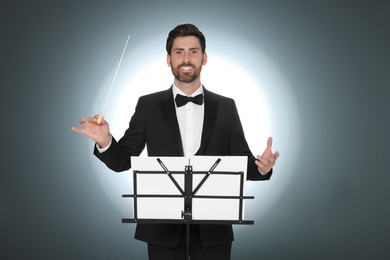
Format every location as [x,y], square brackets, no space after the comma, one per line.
[186,197]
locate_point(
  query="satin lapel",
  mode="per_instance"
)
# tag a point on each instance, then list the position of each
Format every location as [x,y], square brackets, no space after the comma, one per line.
[210,114]
[168,111]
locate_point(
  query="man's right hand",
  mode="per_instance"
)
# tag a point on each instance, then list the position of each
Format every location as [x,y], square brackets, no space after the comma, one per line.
[99,133]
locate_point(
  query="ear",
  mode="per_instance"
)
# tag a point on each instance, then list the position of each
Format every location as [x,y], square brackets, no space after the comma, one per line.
[204,60]
[169,60]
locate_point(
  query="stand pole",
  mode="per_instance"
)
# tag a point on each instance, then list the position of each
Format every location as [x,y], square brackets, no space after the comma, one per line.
[188,217]
[188,205]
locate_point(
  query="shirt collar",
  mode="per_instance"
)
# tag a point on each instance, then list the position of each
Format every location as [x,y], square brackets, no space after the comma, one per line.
[176,91]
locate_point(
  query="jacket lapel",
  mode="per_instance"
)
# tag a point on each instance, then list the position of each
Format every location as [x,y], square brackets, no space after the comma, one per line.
[168,111]
[210,114]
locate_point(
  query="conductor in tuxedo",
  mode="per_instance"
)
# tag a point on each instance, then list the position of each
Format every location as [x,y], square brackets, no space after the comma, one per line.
[184,120]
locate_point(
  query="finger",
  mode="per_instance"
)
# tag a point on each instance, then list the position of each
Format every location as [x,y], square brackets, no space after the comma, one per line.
[258,164]
[276,155]
[266,160]
[81,121]
[77,130]
[91,119]
[100,119]
[261,161]
[263,168]
[269,143]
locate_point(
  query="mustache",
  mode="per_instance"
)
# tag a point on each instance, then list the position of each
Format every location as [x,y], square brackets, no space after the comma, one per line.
[186,65]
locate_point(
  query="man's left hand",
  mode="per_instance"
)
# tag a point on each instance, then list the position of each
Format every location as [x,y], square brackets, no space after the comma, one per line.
[267,160]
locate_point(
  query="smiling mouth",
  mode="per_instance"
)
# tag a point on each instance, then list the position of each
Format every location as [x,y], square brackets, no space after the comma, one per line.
[186,68]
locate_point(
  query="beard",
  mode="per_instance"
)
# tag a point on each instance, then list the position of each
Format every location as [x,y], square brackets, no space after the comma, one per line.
[186,76]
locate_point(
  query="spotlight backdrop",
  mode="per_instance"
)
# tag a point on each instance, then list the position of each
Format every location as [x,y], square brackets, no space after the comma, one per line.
[318,69]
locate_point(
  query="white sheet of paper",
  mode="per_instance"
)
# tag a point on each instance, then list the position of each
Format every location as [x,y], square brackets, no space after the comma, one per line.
[202,209]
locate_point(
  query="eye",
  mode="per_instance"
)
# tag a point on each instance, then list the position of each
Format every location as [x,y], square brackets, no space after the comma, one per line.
[178,52]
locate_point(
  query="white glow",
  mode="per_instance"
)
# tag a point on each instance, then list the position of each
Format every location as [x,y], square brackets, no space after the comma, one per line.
[256,85]
[229,79]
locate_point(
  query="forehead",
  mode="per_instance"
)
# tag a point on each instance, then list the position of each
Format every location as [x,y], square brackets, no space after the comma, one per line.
[186,42]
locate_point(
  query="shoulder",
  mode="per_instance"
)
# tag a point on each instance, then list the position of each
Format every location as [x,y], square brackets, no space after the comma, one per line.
[164,94]
[159,94]
[217,97]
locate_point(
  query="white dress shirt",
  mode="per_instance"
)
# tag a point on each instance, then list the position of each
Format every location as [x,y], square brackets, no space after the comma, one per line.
[190,119]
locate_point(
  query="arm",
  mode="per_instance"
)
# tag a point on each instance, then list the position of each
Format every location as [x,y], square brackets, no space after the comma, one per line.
[118,155]
[259,168]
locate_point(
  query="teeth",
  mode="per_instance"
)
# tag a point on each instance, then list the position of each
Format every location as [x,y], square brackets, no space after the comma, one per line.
[186,68]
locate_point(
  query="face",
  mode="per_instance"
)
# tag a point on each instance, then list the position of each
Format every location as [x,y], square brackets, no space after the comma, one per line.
[186,59]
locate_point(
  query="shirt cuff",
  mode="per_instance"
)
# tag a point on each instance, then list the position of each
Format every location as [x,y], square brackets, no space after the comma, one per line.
[102,150]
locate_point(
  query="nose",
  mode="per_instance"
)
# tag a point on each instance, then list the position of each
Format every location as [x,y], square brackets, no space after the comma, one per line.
[187,58]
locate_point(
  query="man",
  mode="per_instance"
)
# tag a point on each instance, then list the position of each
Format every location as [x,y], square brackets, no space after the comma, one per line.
[184,120]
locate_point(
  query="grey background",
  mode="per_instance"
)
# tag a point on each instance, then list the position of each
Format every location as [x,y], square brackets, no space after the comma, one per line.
[335,55]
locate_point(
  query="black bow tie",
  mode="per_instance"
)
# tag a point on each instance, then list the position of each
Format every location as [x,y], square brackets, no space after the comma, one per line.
[182,100]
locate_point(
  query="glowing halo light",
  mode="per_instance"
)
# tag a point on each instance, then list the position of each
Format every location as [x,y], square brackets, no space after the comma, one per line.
[146,72]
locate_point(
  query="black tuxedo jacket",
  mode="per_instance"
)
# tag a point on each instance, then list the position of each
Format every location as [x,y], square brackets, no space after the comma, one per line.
[155,124]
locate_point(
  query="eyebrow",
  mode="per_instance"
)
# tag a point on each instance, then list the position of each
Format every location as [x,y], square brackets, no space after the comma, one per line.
[182,49]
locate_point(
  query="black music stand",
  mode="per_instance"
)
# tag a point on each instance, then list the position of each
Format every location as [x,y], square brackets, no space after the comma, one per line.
[186,196]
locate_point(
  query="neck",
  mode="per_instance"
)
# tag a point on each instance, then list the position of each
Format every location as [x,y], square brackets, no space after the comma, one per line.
[188,88]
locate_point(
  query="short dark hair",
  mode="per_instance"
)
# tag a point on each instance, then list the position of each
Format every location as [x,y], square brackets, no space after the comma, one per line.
[183,30]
